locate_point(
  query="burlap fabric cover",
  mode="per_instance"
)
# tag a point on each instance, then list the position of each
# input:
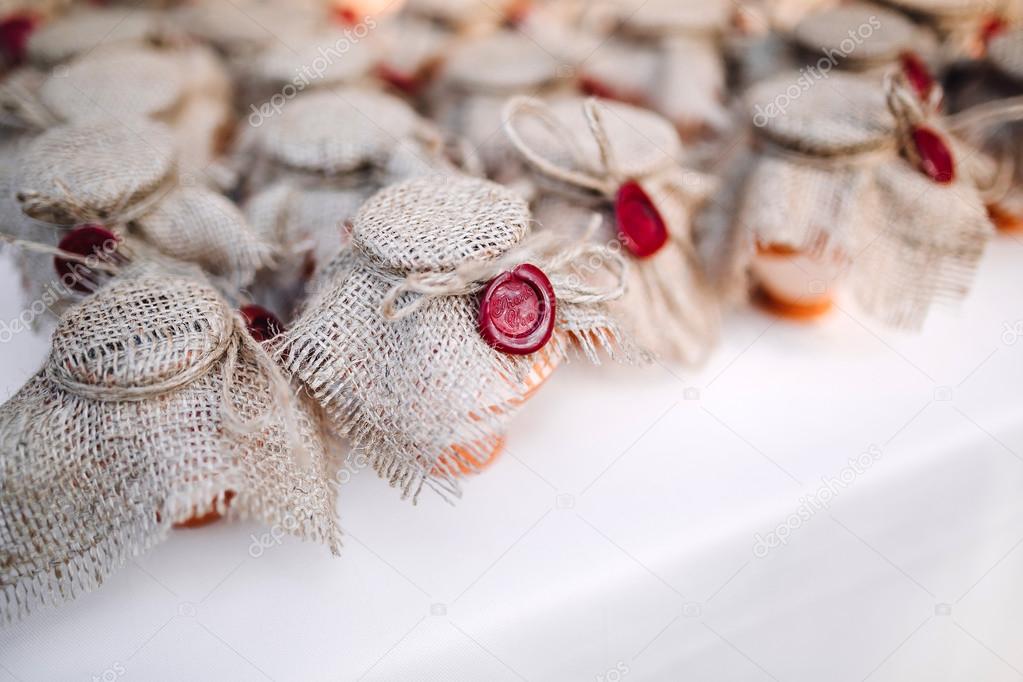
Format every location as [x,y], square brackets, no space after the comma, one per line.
[665,55]
[411,49]
[582,151]
[342,136]
[239,28]
[426,387]
[478,76]
[879,36]
[154,401]
[1006,53]
[307,60]
[465,16]
[85,28]
[830,181]
[186,88]
[960,23]
[124,175]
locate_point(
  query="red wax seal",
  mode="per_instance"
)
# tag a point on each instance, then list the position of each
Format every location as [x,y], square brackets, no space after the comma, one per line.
[84,240]
[992,27]
[640,226]
[918,75]
[407,83]
[14,33]
[517,311]
[262,324]
[936,160]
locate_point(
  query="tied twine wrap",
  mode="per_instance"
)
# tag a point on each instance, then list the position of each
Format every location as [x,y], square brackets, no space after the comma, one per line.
[131,426]
[545,250]
[864,201]
[410,380]
[670,303]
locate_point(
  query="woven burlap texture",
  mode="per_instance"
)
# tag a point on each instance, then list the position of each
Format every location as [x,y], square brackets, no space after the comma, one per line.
[408,390]
[154,401]
[832,180]
[85,28]
[603,145]
[124,175]
[341,137]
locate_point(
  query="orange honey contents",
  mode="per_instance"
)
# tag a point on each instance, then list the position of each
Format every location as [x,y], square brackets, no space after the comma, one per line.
[468,463]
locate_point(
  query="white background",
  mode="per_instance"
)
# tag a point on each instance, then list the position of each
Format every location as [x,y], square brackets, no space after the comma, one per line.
[614,539]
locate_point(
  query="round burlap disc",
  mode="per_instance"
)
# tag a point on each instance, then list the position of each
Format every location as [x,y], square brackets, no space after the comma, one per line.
[337,58]
[86,28]
[1006,53]
[842,114]
[500,62]
[949,8]
[879,35]
[458,12]
[240,26]
[141,332]
[438,223]
[94,168]
[339,130]
[672,17]
[126,80]
[640,140]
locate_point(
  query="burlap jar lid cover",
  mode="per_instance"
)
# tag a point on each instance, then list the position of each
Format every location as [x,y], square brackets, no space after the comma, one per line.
[339,130]
[85,28]
[501,62]
[461,12]
[234,26]
[154,401]
[673,17]
[640,141]
[878,35]
[345,58]
[1006,52]
[951,9]
[433,225]
[113,82]
[94,171]
[843,114]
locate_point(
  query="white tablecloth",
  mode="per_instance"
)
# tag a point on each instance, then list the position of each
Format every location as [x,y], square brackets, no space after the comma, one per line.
[625,534]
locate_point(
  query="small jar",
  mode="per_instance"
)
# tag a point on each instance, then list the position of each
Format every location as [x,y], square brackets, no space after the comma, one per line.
[479,75]
[309,169]
[851,188]
[124,175]
[626,165]
[154,400]
[424,338]
[665,55]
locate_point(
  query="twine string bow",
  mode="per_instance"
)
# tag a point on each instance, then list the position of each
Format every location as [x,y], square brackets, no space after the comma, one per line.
[546,250]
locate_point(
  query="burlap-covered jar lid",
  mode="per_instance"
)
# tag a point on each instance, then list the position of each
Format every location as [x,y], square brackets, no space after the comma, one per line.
[950,8]
[339,130]
[500,62]
[336,56]
[93,170]
[127,80]
[425,225]
[1006,52]
[640,140]
[240,26]
[142,333]
[85,28]
[879,35]
[844,114]
[673,17]
[460,12]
